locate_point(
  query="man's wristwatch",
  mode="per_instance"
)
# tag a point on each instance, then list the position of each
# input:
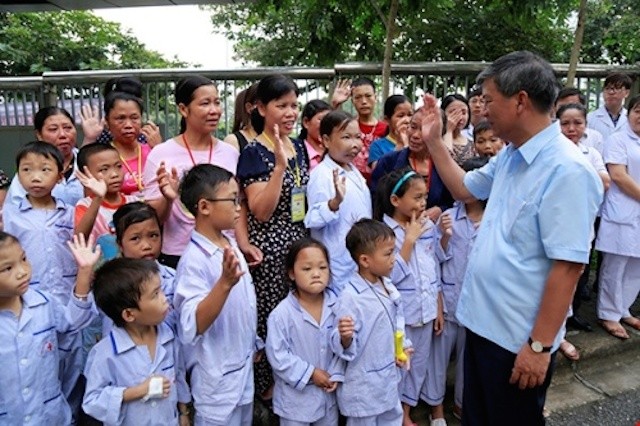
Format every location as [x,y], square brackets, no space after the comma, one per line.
[537,347]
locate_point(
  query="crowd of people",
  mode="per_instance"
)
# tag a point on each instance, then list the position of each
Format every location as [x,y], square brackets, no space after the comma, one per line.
[323,278]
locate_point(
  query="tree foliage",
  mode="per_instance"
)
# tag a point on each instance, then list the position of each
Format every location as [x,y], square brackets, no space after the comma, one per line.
[612,32]
[31,43]
[323,32]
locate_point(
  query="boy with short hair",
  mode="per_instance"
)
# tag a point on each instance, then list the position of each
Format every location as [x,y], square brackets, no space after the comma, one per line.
[611,116]
[100,171]
[369,315]
[485,142]
[135,374]
[30,323]
[363,96]
[216,302]
[44,225]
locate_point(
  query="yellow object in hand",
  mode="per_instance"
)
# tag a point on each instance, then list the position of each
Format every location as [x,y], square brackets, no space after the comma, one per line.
[399,346]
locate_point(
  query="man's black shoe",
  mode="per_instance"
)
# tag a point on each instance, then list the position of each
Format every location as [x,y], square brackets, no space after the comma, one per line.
[579,323]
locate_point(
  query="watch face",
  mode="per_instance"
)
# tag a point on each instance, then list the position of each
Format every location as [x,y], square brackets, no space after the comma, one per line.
[537,347]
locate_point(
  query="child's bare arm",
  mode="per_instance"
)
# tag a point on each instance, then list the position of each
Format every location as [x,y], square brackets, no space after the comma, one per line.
[211,306]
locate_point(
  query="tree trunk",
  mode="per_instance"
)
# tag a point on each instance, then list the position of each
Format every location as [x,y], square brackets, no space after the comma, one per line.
[388,48]
[577,43]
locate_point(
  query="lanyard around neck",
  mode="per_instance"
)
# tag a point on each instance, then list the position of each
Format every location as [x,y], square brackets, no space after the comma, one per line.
[137,179]
[186,145]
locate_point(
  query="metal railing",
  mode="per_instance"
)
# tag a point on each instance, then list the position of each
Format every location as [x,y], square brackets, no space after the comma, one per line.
[20,97]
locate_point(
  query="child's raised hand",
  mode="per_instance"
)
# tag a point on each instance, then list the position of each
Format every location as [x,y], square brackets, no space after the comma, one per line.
[416,227]
[341,93]
[231,271]
[85,252]
[97,186]
[431,120]
[446,224]
[168,182]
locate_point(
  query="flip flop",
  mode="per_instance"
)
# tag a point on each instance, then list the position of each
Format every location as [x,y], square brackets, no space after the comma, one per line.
[615,329]
[632,322]
[569,351]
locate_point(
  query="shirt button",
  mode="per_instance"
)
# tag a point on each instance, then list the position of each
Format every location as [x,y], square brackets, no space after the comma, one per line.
[153,403]
[27,419]
[23,361]
[20,334]
[25,391]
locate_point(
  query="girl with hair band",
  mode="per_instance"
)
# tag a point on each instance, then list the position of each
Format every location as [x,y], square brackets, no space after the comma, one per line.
[199,105]
[420,247]
[273,174]
[243,131]
[416,156]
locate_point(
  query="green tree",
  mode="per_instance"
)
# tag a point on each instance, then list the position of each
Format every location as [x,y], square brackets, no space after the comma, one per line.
[323,32]
[31,43]
[611,32]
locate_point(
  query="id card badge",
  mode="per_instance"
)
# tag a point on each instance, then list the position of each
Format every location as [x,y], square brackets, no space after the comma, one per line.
[298,203]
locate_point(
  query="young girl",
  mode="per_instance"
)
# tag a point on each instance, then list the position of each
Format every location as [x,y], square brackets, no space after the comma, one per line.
[312,114]
[305,369]
[400,203]
[465,219]
[397,114]
[338,194]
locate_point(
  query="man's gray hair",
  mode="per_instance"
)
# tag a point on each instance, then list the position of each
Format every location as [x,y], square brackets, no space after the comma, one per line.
[524,71]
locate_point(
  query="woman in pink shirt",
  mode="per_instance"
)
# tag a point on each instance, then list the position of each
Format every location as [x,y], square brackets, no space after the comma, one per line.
[199,105]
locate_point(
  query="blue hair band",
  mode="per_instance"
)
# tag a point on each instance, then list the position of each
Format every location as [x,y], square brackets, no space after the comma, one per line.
[402,180]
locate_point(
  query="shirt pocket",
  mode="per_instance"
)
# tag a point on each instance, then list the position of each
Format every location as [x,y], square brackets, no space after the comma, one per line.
[520,222]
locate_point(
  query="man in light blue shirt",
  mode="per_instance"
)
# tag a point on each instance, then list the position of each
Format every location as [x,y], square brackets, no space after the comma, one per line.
[532,244]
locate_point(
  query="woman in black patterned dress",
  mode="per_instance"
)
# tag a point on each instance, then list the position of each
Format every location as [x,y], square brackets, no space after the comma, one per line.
[273,174]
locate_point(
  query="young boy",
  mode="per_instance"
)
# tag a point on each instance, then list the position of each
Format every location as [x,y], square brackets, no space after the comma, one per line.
[44,225]
[30,321]
[466,218]
[369,312]
[100,171]
[135,375]
[611,116]
[486,143]
[216,301]
[363,97]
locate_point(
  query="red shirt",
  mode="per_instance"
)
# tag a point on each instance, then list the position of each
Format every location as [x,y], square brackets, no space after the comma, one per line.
[369,133]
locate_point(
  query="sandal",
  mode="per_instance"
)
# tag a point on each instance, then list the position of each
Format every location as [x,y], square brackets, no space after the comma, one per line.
[615,329]
[569,351]
[632,322]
